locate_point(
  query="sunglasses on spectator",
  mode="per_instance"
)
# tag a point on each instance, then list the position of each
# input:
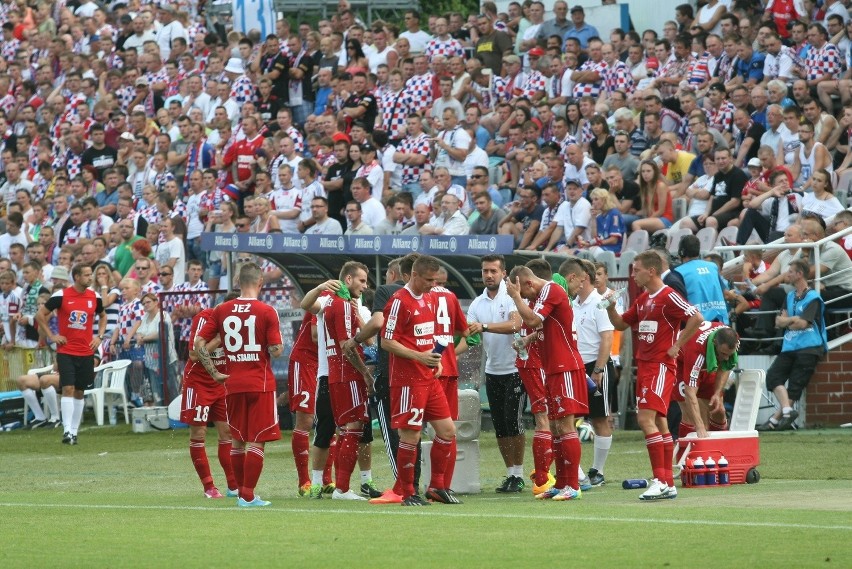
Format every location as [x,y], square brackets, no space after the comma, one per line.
[165,274]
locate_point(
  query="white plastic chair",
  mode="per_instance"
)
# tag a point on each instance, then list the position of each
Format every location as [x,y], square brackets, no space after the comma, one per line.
[35,371]
[111,383]
[707,238]
[675,237]
[637,241]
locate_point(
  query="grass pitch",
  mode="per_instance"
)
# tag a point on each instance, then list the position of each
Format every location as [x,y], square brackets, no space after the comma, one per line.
[120,499]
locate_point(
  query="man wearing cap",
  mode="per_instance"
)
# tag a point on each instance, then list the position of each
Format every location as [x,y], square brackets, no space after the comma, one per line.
[534,84]
[573,221]
[581,31]
[450,221]
[171,29]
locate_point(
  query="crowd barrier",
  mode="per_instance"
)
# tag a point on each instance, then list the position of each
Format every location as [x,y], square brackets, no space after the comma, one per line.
[16,361]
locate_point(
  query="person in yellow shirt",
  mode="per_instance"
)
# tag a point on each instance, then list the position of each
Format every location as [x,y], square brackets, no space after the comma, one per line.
[676,163]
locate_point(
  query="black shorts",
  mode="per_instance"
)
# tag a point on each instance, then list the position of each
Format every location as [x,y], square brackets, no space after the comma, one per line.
[794,368]
[507,400]
[76,371]
[324,427]
[604,401]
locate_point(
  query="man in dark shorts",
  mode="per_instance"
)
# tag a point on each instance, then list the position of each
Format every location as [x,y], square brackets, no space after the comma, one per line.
[75,308]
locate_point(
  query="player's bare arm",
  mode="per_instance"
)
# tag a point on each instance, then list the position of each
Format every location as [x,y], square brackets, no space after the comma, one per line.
[42,317]
[102,324]
[526,313]
[693,412]
[688,332]
[276,350]
[510,326]
[355,359]
[615,318]
[211,347]
[429,359]
[206,361]
[369,329]
[311,298]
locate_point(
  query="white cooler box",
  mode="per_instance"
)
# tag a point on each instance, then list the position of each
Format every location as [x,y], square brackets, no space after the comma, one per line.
[466,476]
[147,419]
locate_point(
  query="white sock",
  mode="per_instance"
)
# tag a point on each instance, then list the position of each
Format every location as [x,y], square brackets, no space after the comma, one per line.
[49,396]
[580,472]
[786,411]
[67,412]
[602,445]
[519,470]
[316,477]
[510,471]
[32,401]
[366,476]
[77,416]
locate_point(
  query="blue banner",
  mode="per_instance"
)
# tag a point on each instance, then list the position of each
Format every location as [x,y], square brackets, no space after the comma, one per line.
[358,244]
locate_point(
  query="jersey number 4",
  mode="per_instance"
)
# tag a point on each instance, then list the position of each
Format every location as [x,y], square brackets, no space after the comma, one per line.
[233,326]
[442,316]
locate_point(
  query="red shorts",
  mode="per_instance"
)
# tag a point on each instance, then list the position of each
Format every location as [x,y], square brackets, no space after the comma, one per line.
[706,384]
[348,402]
[533,380]
[414,404]
[567,394]
[654,385]
[450,385]
[199,407]
[253,416]
[302,385]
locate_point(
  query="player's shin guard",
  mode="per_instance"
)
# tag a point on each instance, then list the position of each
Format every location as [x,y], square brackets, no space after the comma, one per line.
[198,454]
[329,462]
[251,474]
[406,456]
[439,455]
[347,456]
[571,455]
[668,452]
[301,454]
[225,463]
[542,448]
[656,453]
[238,463]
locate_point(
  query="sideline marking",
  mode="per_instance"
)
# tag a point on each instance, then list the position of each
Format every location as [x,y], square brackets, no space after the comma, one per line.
[387,512]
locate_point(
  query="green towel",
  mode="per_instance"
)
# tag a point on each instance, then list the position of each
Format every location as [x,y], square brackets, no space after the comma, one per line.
[712,364]
[344,291]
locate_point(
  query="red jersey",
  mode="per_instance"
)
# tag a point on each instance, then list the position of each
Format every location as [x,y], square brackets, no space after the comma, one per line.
[75,314]
[559,352]
[691,361]
[248,327]
[410,320]
[533,349]
[243,152]
[782,13]
[449,321]
[657,319]
[304,348]
[194,374]
[340,319]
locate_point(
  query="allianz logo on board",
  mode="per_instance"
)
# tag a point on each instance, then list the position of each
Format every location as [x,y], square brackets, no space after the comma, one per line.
[478,244]
[227,241]
[254,241]
[332,243]
[295,242]
[412,243]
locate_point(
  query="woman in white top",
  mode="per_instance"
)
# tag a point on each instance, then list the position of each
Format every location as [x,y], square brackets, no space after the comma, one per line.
[709,16]
[822,200]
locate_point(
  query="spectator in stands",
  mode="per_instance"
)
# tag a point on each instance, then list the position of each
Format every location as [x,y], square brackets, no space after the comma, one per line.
[581,31]
[322,223]
[574,219]
[726,201]
[622,158]
[607,227]
[843,220]
[835,266]
[656,212]
[803,319]
[555,206]
[450,221]
[677,163]
[821,200]
[746,135]
[372,212]
[356,225]
[626,192]
[487,217]
[823,61]
[524,219]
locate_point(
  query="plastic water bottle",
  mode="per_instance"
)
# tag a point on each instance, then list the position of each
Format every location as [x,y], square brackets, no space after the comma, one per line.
[518,344]
[113,415]
[440,345]
[711,476]
[698,472]
[611,299]
[634,484]
[724,473]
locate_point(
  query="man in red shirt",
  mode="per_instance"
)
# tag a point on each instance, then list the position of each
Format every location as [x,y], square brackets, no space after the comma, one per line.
[349,380]
[703,367]
[242,155]
[302,390]
[246,325]
[565,377]
[203,401]
[75,308]
[657,316]
[416,395]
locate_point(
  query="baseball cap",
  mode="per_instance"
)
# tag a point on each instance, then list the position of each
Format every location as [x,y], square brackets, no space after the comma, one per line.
[577,8]
[141,82]
[535,52]
[367,147]
[754,163]
[574,181]
[341,137]
[127,136]
[652,63]
[511,58]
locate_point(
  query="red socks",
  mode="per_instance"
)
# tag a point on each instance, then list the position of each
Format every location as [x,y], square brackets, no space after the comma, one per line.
[301,454]
[450,469]
[332,454]
[198,454]
[542,448]
[406,456]
[238,460]
[347,456]
[440,456]
[668,452]
[656,453]
[570,447]
[252,469]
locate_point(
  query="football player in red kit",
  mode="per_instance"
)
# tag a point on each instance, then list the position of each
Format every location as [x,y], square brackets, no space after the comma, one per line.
[656,316]
[203,401]
[349,380]
[416,395]
[565,377]
[251,336]
[703,367]
[302,390]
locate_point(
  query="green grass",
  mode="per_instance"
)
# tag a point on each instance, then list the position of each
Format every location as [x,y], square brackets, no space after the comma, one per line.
[121,499]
